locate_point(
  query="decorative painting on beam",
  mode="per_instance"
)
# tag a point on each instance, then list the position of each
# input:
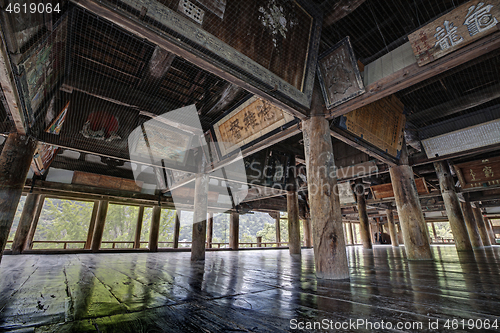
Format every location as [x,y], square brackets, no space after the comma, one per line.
[461,26]
[480,173]
[338,74]
[386,191]
[380,123]
[248,122]
[270,44]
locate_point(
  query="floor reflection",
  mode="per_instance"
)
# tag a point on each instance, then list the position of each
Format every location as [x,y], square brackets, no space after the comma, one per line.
[261,290]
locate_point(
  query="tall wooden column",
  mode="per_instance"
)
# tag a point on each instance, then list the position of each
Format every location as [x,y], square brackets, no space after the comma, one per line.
[31,234]
[23,228]
[490,231]
[455,216]
[351,234]
[483,232]
[155,229]
[138,228]
[177,228]
[306,225]
[328,235]
[102,211]
[434,229]
[278,229]
[293,213]
[200,217]
[234,230]
[392,228]
[470,222]
[411,218]
[93,218]
[364,223]
[210,229]
[15,161]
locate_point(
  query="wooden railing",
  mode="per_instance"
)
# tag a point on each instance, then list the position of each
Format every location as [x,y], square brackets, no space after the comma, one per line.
[130,244]
[441,240]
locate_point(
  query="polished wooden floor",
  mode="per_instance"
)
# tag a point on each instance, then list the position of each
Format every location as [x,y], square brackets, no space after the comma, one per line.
[247,291]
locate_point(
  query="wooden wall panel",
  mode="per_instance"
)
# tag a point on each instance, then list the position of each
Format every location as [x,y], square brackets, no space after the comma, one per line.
[91,179]
[386,191]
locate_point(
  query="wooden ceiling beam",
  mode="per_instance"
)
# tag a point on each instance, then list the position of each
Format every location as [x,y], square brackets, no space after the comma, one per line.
[457,105]
[12,101]
[414,74]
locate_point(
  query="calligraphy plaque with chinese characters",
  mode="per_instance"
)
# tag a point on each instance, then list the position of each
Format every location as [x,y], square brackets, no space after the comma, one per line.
[480,173]
[248,122]
[380,123]
[461,26]
[338,74]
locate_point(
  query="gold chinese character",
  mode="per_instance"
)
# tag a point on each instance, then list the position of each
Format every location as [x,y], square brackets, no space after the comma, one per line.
[473,175]
[487,171]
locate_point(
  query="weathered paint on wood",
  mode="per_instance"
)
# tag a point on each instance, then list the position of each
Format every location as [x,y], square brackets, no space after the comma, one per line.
[92,179]
[15,162]
[411,218]
[380,123]
[326,218]
[29,210]
[480,173]
[453,210]
[338,74]
[386,190]
[470,222]
[463,25]
[247,123]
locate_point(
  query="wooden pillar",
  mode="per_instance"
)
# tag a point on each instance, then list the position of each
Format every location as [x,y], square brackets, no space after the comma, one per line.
[93,218]
[34,224]
[392,228]
[210,229]
[434,229]
[328,235]
[293,213]
[200,217]
[490,231]
[259,241]
[411,218]
[138,228]
[25,221]
[155,229]
[453,211]
[15,161]
[99,225]
[483,232]
[234,230]
[470,222]
[351,234]
[278,229]
[364,223]
[353,230]
[306,223]
[177,228]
